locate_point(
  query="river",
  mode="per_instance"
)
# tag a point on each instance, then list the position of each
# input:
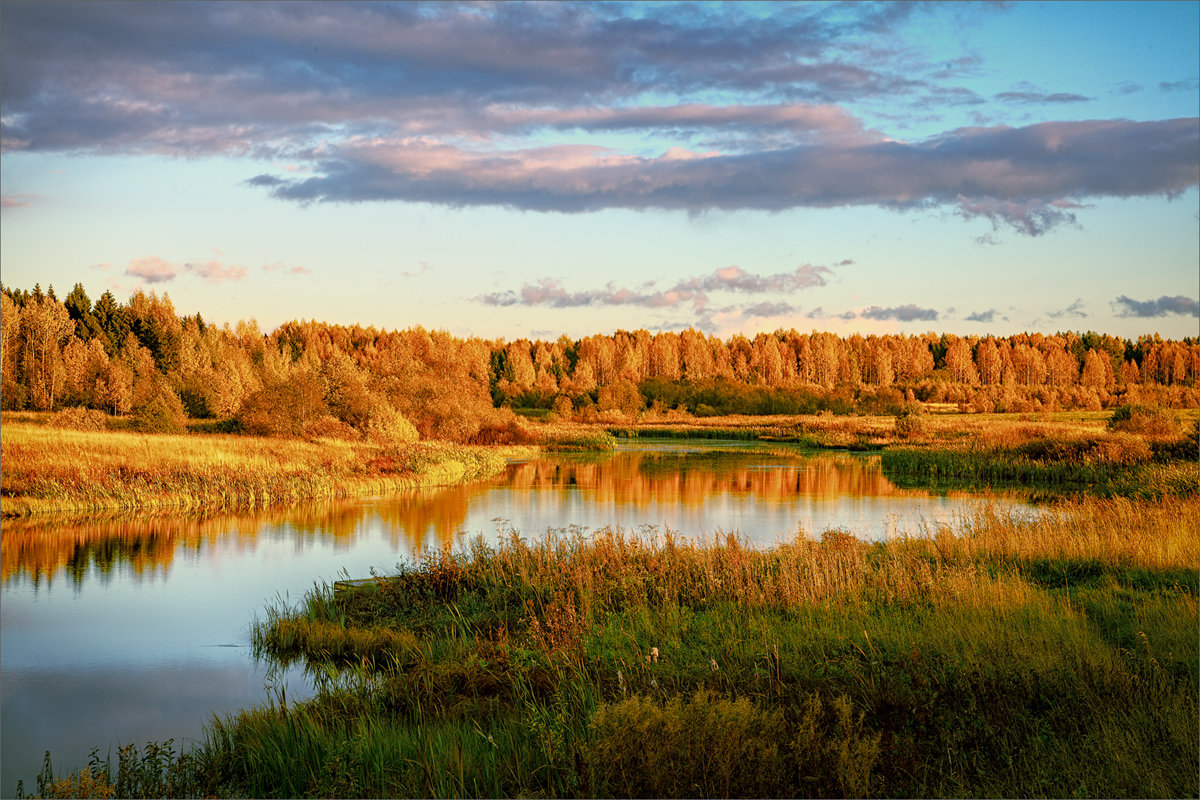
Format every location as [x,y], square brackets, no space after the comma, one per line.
[127,629]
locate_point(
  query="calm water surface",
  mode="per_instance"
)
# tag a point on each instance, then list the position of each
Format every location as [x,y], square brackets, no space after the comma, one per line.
[130,629]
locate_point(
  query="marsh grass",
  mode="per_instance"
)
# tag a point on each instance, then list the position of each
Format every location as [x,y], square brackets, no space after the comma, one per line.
[55,470]
[1008,655]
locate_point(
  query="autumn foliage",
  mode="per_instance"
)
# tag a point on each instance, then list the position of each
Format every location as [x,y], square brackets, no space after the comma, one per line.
[315,380]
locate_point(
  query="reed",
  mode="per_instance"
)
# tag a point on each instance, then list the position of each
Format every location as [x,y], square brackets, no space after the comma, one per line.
[1007,654]
[55,470]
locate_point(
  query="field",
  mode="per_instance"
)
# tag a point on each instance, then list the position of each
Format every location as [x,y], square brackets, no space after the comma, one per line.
[1010,654]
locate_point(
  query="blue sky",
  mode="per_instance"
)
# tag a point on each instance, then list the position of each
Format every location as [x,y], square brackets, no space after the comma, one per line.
[539,169]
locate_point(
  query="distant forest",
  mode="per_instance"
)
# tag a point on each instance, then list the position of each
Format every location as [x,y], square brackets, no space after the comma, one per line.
[315,379]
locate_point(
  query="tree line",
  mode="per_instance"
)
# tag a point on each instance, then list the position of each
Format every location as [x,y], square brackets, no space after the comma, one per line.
[309,378]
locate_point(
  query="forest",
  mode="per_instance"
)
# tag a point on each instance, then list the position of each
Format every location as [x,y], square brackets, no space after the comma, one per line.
[312,380]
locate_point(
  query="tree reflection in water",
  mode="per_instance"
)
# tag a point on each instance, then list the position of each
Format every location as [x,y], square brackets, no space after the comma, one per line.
[630,479]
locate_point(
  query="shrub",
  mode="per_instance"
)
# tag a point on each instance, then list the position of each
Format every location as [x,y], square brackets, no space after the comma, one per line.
[329,427]
[1144,420]
[622,396]
[502,427]
[387,425]
[79,418]
[564,409]
[910,421]
[162,413]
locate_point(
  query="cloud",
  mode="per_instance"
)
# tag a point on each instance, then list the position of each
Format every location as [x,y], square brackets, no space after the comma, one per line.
[152,269]
[279,266]
[1162,307]
[19,200]
[1073,310]
[216,272]
[550,292]
[982,316]
[568,108]
[1032,217]
[1041,98]
[1189,85]
[770,309]
[1031,179]
[905,313]
[190,78]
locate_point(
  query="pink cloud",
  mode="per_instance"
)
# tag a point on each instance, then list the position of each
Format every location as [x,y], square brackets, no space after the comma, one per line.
[18,200]
[279,266]
[152,269]
[215,271]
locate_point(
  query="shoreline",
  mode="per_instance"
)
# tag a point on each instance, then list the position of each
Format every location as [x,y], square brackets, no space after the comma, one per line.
[49,471]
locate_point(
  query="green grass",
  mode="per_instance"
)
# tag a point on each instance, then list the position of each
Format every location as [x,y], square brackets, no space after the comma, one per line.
[1013,656]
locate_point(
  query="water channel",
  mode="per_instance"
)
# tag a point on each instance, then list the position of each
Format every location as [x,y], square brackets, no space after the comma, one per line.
[128,629]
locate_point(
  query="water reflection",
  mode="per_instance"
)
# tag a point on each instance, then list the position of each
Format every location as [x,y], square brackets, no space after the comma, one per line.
[639,484]
[123,629]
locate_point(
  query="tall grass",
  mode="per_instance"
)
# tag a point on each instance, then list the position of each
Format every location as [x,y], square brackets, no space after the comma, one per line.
[55,470]
[1010,654]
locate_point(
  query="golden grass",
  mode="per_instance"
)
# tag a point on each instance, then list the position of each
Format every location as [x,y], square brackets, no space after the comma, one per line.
[1164,534]
[46,469]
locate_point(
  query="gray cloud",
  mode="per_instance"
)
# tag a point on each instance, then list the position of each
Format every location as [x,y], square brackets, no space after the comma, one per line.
[982,316]
[1031,179]
[214,77]
[429,103]
[1040,98]
[1189,85]
[770,309]
[549,292]
[1162,307]
[905,313]
[1073,310]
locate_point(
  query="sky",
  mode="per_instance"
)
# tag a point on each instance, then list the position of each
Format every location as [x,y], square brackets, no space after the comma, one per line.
[531,170]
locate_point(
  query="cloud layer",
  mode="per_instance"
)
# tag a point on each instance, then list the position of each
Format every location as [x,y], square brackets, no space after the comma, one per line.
[1162,307]
[551,293]
[566,107]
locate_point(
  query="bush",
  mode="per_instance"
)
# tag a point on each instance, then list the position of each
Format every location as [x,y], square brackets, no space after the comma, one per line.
[502,427]
[329,427]
[387,425]
[564,409]
[910,421]
[1144,420]
[79,418]
[162,413]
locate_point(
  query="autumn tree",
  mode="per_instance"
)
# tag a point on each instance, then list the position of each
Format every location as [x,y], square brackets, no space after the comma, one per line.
[959,363]
[11,392]
[45,327]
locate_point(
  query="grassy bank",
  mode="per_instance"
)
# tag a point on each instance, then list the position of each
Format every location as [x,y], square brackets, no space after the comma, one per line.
[45,470]
[1102,462]
[1009,655]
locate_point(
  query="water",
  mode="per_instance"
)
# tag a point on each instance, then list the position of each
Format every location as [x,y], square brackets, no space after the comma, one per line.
[123,630]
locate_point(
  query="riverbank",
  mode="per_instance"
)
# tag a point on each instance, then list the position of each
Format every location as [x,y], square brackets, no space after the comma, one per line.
[47,470]
[1008,655]
[1142,452]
